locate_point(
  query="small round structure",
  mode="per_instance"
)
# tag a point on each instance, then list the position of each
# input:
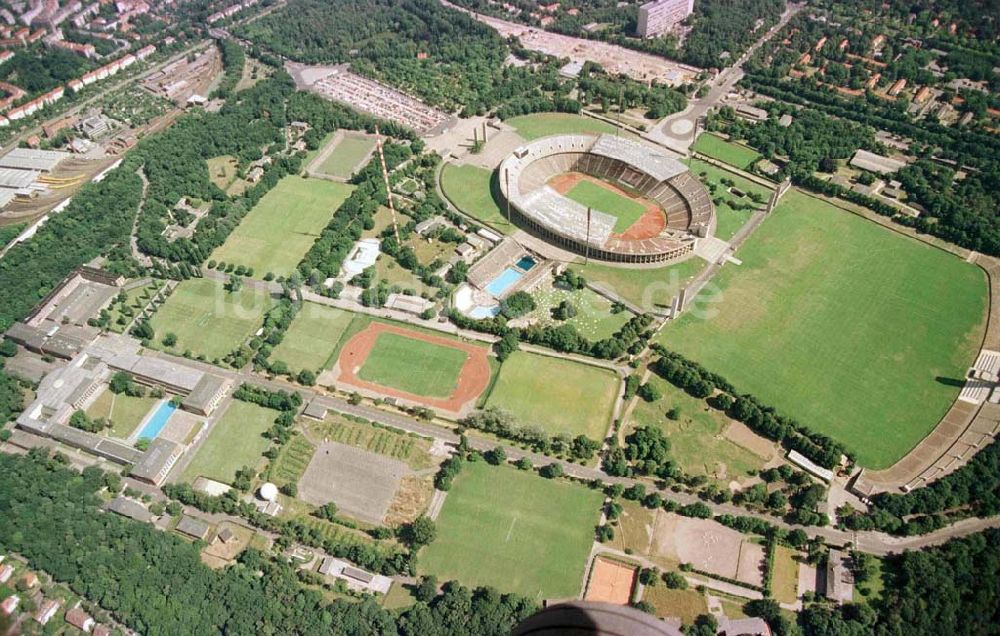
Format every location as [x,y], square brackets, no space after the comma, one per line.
[670,207]
[269,492]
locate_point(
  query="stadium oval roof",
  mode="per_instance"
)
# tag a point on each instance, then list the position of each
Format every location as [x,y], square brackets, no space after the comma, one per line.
[642,169]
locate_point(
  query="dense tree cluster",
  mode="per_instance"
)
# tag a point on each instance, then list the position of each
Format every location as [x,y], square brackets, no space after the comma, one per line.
[155,583]
[963,212]
[443,56]
[503,424]
[233,59]
[811,142]
[630,339]
[97,221]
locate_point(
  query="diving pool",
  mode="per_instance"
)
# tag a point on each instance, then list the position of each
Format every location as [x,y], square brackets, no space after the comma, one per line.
[159,419]
[503,282]
[526,263]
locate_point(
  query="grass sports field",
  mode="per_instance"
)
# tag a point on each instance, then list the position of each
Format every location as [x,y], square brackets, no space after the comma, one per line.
[346,156]
[857,332]
[207,319]
[514,531]
[649,289]
[592,195]
[283,225]
[314,337]
[544,124]
[414,366]
[558,395]
[725,151]
[235,441]
[468,187]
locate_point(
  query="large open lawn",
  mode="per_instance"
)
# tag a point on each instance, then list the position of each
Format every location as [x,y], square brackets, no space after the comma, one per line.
[283,225]
[514,531]
[235,441]
[209,320]
[648,289]
[857,332]
[414,366]
[726,151]
[314,337]
[545,124]
[558,395]
[469,188]
[593,195]
[594,318]
[346,156]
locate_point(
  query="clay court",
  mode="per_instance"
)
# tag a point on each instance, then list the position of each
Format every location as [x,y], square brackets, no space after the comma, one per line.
[650,224]
[708,546]
[473,377]
[610,582]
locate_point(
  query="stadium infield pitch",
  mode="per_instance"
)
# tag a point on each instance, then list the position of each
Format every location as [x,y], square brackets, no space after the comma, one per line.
[433,370]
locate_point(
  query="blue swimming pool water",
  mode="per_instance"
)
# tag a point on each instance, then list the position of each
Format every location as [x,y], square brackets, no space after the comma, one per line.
[502,283]
[526,263]
[479,312]
[156,423]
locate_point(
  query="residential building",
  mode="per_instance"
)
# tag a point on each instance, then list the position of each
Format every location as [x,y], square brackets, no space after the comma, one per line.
[660,16]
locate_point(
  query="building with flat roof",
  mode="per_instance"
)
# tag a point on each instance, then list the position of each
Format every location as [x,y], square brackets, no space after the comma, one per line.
[193,527]
[129,508]
[30,159]
[206,395]
[876,163]
[660,16]
[156,463]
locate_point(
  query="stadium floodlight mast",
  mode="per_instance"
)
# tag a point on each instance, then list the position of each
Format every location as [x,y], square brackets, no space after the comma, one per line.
[388,190]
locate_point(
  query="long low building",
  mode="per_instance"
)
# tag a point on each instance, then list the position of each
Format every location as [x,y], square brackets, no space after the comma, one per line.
[30,159]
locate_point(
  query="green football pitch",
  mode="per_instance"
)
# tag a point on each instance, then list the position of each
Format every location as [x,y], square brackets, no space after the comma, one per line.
[415,366]
[209,320]
[514,531]
[593,195]
[855,331]
[346,156]
[283,225]
[560,396]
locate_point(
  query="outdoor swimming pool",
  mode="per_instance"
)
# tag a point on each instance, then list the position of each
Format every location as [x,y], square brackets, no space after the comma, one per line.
[526,263]
[479,312]
[503,282]
[159,419]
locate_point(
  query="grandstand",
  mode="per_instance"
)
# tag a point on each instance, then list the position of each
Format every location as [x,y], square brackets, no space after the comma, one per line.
[526,178]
